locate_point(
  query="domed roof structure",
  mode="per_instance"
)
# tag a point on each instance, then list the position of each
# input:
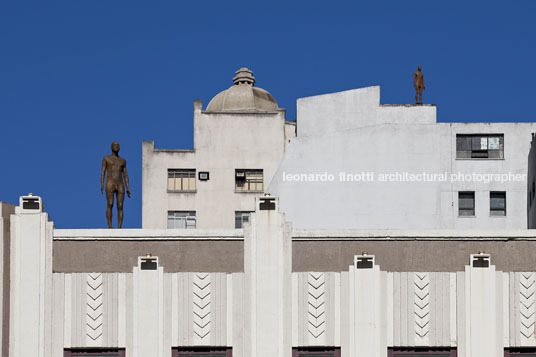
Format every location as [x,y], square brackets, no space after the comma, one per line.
[243,96]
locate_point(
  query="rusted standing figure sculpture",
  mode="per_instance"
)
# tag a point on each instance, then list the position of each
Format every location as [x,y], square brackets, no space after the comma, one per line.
[418,83]
[117,172]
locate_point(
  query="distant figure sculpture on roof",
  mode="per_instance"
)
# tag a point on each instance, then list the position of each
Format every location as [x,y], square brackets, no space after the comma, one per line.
[114,168]
[418,84]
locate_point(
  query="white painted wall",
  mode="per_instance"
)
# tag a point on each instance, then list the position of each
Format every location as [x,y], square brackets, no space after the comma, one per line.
[267,309]
[223,142]
[350,132]
[31,283]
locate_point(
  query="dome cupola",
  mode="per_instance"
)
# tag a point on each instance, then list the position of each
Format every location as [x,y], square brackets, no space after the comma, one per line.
[243,96]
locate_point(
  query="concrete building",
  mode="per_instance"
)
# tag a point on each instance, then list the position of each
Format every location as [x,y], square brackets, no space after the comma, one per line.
[356,163]
[239,141]
[353,266]
[267,290]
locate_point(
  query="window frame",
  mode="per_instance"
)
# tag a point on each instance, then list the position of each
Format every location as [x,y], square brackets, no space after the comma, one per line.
[189,174]
[474,153]
[474,203]
[408,351]
[316,351]
[243,213]
[185,220]
[249,181]
[88,352]
[176,351]
[496,209]
[519,351]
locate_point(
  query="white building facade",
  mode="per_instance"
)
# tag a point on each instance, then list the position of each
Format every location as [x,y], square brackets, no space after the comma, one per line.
[288,298]
[249,249]
[239,141]
[394,166]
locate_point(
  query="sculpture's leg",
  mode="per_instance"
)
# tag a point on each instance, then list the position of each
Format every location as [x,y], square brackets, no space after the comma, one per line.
[120,199]
[416,95]
[109,206]
[420,95]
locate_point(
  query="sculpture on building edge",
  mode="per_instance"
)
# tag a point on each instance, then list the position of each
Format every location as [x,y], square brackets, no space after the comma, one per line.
[418,84]
[114,168]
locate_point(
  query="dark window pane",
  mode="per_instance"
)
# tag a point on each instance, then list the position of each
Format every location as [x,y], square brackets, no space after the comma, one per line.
[463,143]
[463,154]
[480,154]
[497,200]
[466,203]
[476,143]
[494,154]
[497,203]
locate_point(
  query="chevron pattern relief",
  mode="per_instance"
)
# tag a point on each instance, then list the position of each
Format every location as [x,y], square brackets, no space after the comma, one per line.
[316,289]
[421,305]
[94,308]
[527,295]
[201,305]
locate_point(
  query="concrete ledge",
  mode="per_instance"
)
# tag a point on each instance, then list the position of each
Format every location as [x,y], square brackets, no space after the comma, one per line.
[408,105]
[175,150]
[432,234]
[148,234]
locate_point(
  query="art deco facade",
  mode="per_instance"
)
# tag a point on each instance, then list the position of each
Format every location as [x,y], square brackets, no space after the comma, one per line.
[315,268]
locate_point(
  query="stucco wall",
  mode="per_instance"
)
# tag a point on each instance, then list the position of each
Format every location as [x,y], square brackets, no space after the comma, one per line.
[351,133]
[223,142]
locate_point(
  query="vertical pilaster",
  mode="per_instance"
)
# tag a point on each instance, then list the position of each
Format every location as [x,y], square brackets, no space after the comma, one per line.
[148,310]
[267,264]
[483,309]
[31,279]
[368,309]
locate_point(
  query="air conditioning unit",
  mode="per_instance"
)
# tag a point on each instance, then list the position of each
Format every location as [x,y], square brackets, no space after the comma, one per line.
[240,174]
[203,176]
[191,222]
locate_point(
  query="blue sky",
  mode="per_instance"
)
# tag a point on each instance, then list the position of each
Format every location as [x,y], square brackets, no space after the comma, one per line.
[77,75]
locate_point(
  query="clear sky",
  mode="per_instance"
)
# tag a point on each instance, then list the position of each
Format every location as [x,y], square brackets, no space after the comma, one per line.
[76,75]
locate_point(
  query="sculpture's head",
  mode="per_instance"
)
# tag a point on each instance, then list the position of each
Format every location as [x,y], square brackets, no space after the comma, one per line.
[419,68]
[115,146]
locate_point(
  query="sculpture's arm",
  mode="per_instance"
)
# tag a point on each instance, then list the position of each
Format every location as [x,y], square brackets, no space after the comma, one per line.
[125,177]
[423,86]
[414,80]
[103,173]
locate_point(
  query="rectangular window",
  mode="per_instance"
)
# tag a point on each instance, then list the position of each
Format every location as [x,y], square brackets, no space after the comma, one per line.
[202,352]
[181,180]
[248,180]
[316,352]
[497,203]
[241,217]
[466,203]
[421,352]
[181,219]
[479,146]
[94,353]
